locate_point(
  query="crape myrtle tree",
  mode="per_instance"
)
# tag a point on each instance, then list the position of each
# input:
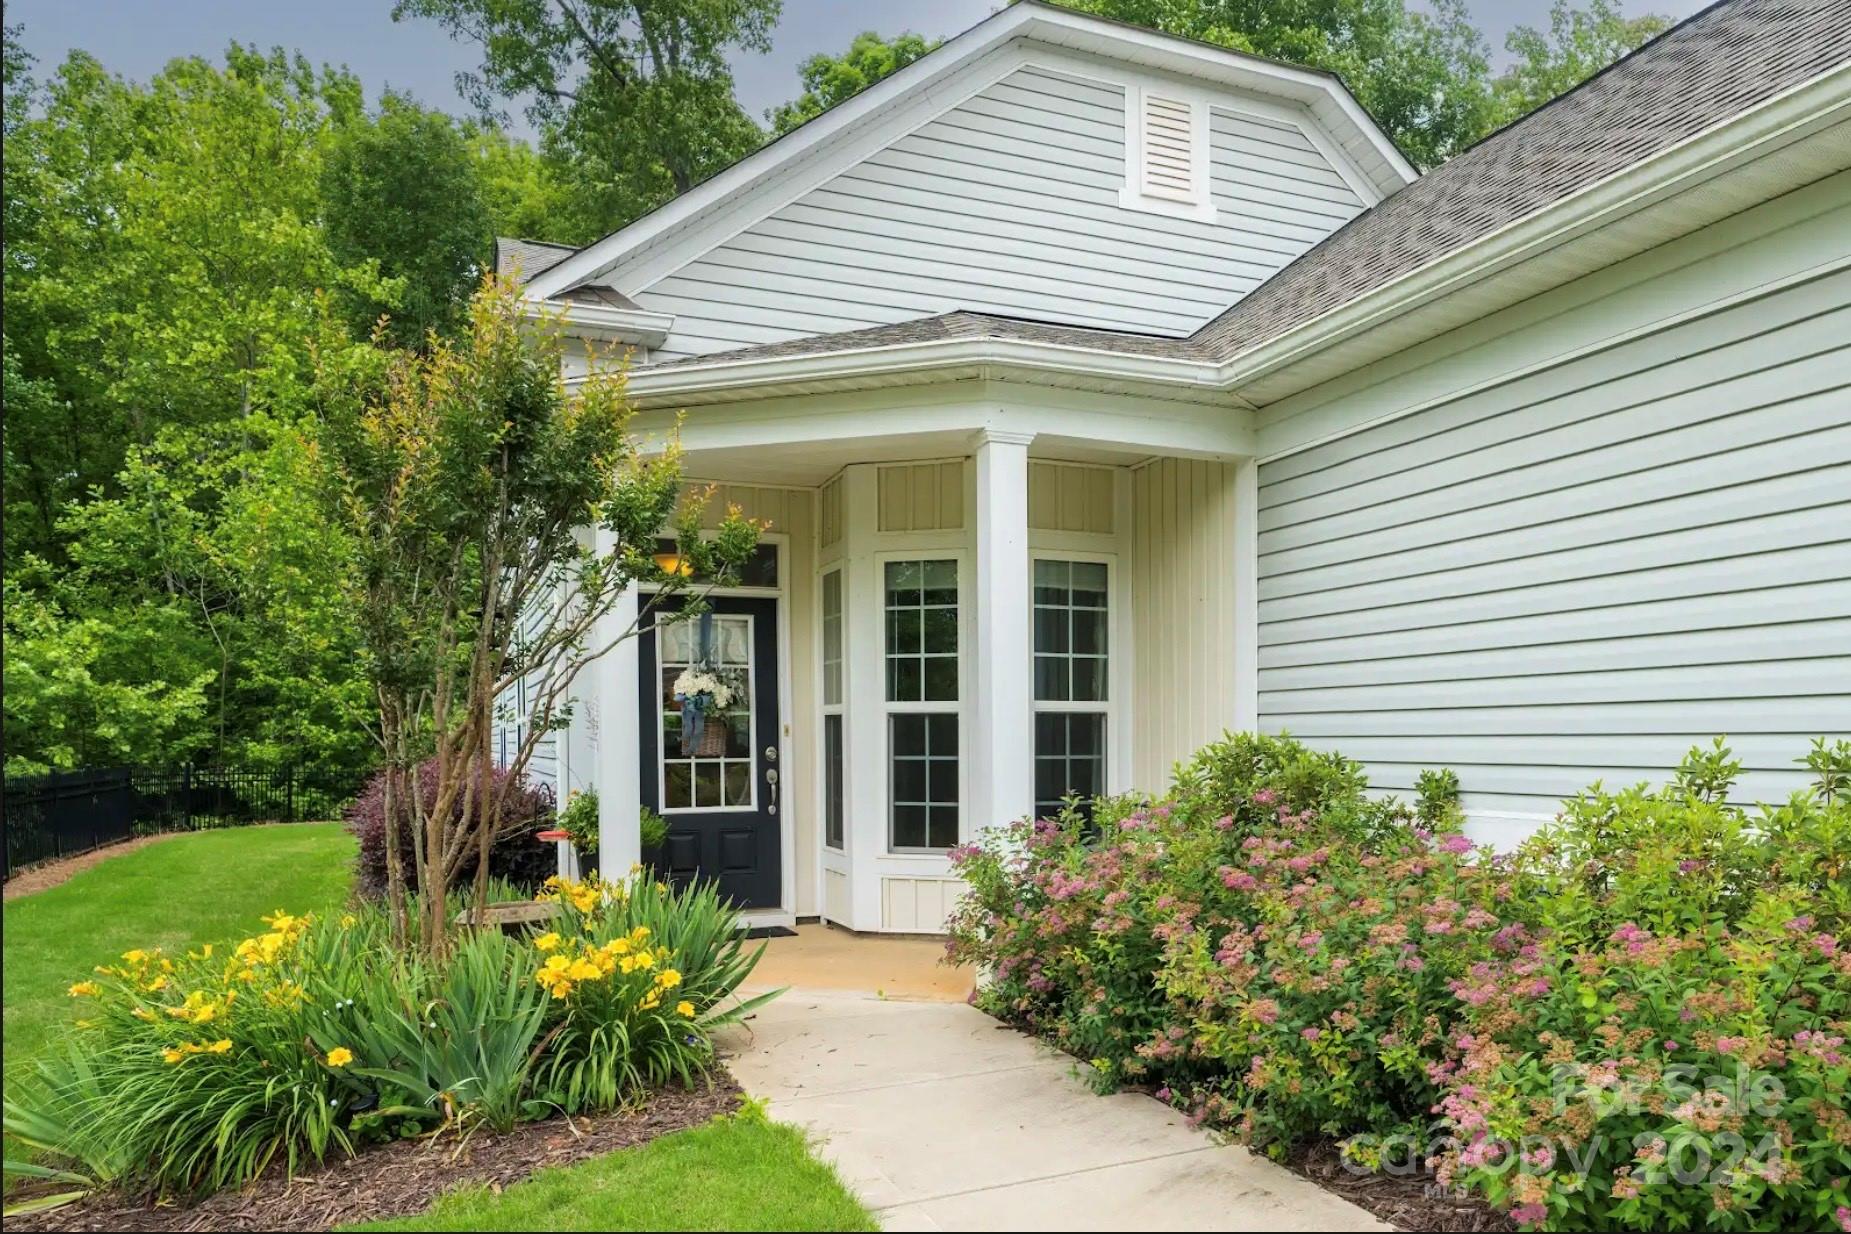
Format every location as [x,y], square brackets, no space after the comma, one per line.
[496,519]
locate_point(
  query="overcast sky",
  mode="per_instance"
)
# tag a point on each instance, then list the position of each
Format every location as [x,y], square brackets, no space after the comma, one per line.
[136,37]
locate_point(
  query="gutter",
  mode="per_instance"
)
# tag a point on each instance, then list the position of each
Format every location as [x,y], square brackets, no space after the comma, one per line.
[897,358]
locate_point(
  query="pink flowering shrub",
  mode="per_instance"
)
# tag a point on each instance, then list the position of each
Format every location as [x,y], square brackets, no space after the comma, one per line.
[1276,953]
[1266,946]
[1682,1061]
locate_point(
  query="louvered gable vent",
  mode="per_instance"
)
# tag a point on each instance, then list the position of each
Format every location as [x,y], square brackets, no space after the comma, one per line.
[1166,152]
[1169,148]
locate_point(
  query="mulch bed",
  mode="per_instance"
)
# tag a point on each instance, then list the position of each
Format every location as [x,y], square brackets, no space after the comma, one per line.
[404,1177]
[1408,1202]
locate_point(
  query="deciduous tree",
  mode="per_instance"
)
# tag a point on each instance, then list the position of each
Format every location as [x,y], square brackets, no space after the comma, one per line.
[827,80]
[496,522]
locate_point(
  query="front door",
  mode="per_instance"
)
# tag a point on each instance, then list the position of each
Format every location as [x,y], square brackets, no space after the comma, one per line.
[714,779]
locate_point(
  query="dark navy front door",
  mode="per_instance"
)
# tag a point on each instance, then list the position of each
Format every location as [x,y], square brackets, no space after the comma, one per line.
[716,784]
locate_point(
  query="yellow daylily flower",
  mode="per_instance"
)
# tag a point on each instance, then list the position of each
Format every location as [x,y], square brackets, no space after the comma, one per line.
[668,979]
[170,1056]
[548,941]
[685,1008]
[339,1056]
[221,1046]
[85,989]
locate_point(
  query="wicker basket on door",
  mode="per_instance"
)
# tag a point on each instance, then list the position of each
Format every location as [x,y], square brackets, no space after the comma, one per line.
[710,744]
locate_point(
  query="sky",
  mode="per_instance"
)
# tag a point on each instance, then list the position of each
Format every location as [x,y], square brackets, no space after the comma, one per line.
[136,37]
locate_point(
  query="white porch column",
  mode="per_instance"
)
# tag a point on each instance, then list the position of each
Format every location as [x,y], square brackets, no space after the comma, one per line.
[1002,739]
[619,746]
[1246,566]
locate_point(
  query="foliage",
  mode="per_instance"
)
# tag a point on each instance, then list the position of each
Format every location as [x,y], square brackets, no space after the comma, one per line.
[653,829]
[637,971]
[1670,1053]
[828,80]
[1580,43]
[1274,951]
[1421,72]
[514,855]
[636,99]
[186,890]
[76,696]
[736,1173]
[402,188]
[197,1071]
[167,244]
[495,524]
[579,819]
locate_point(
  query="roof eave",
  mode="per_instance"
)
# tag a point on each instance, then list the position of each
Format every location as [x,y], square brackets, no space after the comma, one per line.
[603,323]
[766,377]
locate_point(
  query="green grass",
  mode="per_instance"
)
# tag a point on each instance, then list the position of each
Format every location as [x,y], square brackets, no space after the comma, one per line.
[737,1173]
[204,887]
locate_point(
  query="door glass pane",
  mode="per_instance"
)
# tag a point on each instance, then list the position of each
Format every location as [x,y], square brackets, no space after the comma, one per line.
[707,764]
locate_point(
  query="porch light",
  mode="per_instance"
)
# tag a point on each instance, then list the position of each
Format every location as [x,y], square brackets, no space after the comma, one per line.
[672,562]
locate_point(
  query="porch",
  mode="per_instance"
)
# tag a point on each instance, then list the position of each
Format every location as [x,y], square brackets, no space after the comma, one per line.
[967,607]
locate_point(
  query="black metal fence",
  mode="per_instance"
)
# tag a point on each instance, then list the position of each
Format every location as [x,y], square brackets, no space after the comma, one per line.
[70,812]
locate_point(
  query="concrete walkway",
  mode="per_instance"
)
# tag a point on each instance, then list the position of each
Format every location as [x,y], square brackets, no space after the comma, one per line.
[942,1119]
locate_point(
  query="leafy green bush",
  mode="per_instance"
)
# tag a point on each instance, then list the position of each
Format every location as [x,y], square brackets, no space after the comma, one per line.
[579,820]
[196,1072]
[1670,1052]
[1272,950]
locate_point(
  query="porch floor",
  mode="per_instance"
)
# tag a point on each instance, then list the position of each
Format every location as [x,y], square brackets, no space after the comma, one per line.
[821,957]
[942,1119]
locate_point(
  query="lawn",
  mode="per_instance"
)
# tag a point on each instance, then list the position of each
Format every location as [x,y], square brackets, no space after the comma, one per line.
[203,887]
[738,1173]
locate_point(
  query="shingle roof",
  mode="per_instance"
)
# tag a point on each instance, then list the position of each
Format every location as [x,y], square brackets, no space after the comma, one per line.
[529,257]
[597,293]
[1723,61]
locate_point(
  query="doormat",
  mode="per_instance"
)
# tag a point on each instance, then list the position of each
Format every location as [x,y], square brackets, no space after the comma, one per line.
[771,932]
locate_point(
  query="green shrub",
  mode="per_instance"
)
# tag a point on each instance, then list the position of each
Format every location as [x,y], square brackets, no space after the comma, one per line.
[1671,1053]
[1272,950]
[193,1073]
[579,820]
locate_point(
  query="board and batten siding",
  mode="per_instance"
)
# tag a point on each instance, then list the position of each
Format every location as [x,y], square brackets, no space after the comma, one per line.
[1008,203]
[1640,540]
[1182,612]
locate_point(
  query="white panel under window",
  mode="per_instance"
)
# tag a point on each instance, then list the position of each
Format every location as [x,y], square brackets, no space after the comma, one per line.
[1166,154]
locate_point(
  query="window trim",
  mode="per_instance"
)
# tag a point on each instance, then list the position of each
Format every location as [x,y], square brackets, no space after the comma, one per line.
[960,556]
[1115,706]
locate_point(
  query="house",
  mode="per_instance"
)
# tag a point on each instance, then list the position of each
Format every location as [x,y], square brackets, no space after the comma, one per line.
[1106,390]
